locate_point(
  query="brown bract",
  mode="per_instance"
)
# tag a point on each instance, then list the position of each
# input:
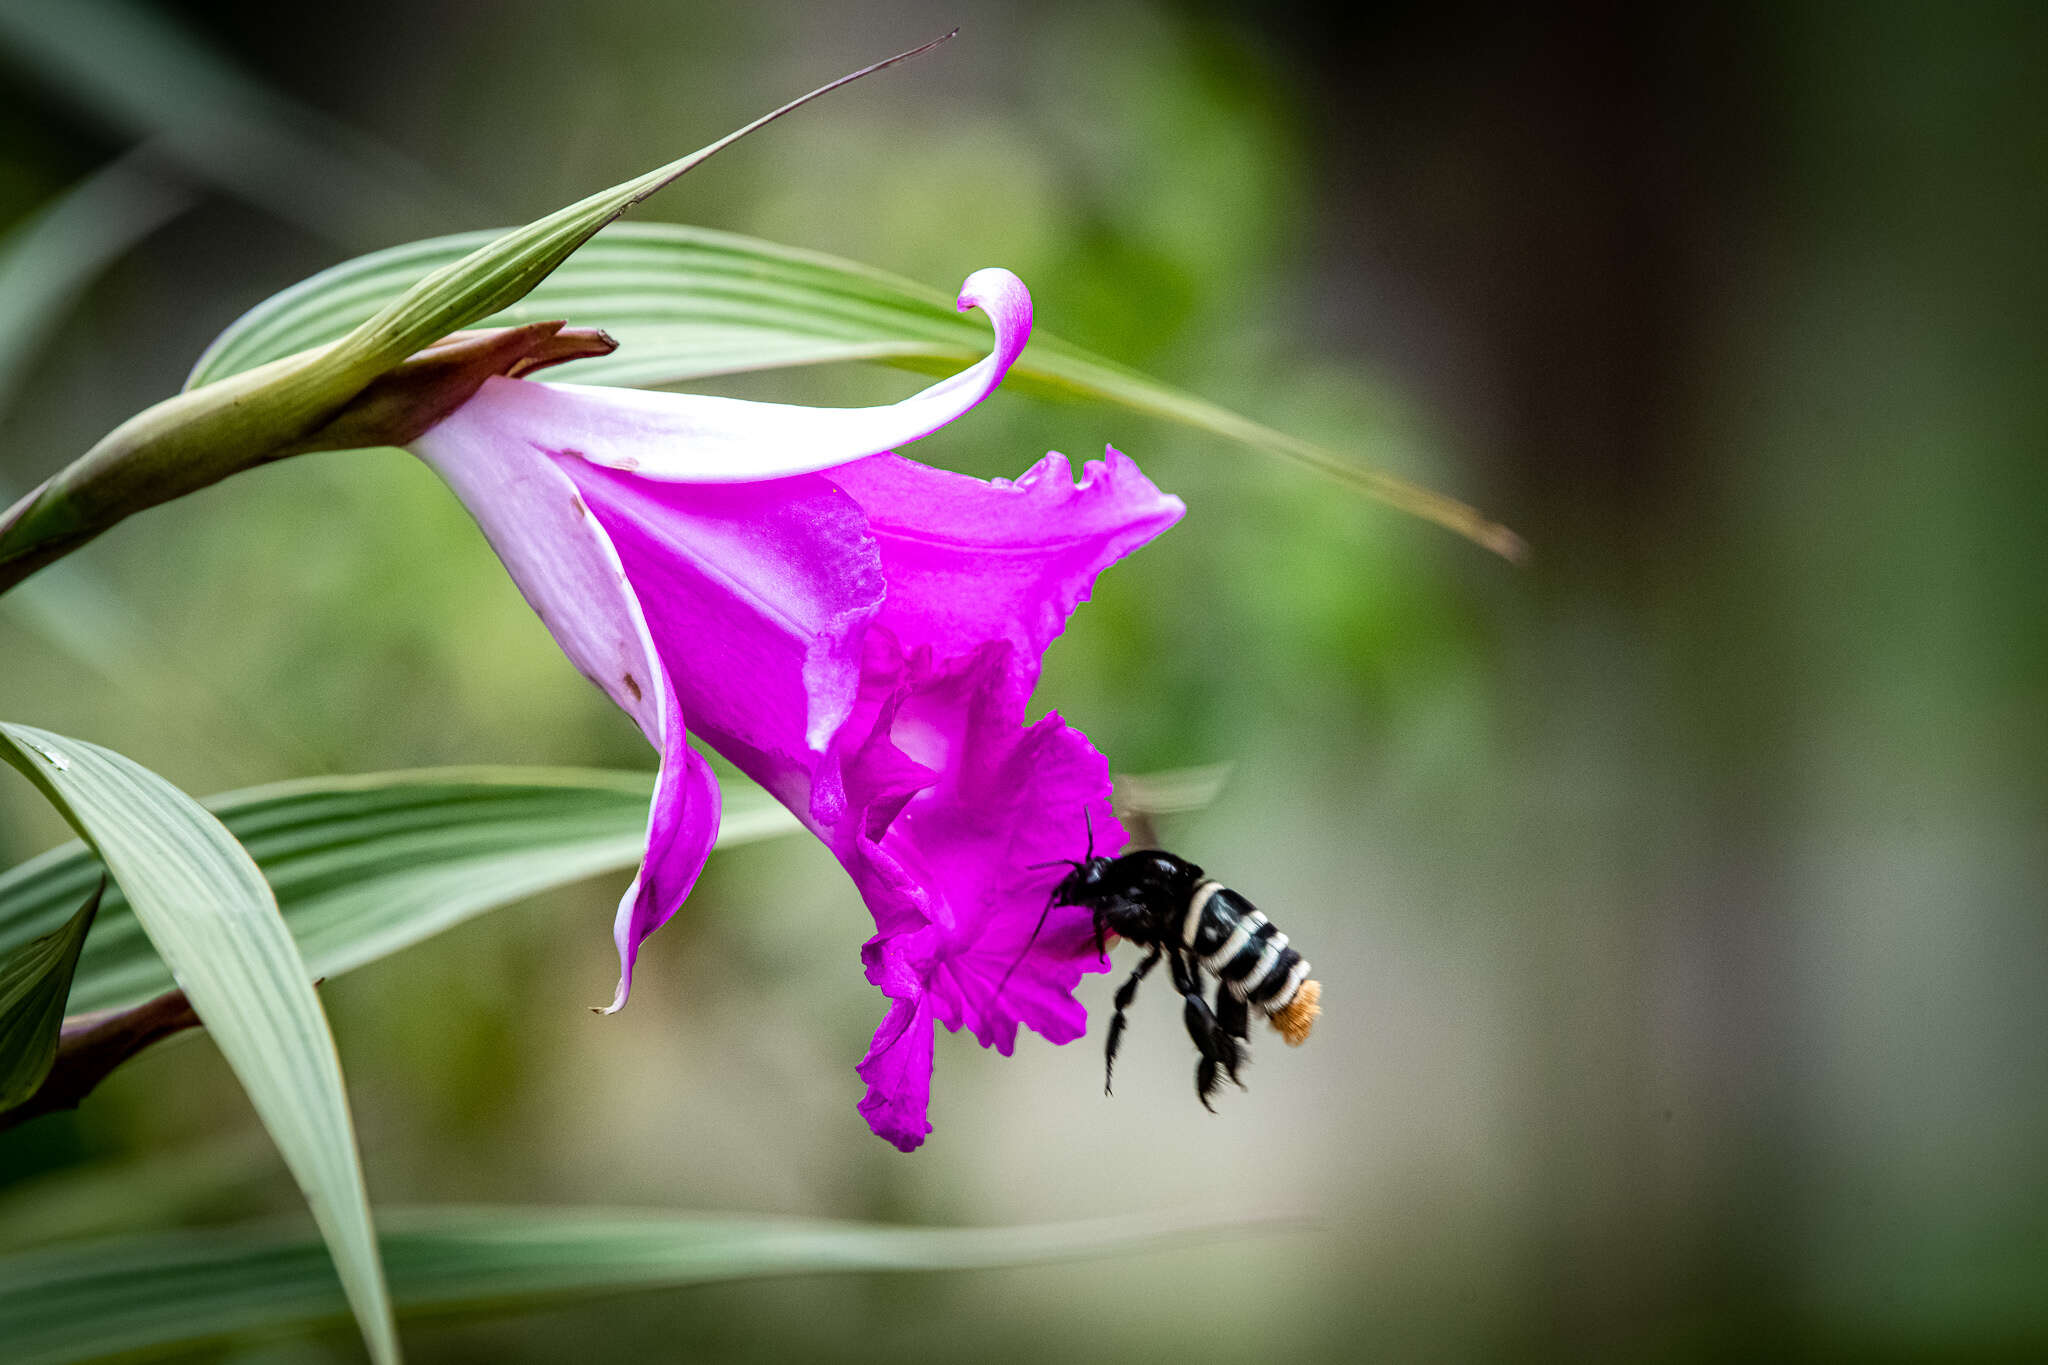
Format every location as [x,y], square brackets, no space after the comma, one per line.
[403,405]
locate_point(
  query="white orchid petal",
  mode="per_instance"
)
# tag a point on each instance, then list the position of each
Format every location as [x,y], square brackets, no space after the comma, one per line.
[557,554]
[698,438]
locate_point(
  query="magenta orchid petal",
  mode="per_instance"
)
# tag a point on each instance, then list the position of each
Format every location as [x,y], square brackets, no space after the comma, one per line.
[981,578]
[682,828]
[569,571]
[858,633]
[898,1070]
[758,596]
[969,560]
[776,608]
[1024,797]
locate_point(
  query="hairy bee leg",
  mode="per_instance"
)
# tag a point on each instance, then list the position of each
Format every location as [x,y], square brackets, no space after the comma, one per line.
[1125,994]
[1233,1023]
[1202,1028]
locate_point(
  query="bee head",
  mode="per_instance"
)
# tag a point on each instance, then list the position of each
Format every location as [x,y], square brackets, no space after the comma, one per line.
[1078,887]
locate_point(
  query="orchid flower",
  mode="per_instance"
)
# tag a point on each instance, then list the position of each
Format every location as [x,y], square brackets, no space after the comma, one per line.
[858,633]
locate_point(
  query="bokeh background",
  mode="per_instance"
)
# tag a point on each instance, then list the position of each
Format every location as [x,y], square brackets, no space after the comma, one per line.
[1679,898]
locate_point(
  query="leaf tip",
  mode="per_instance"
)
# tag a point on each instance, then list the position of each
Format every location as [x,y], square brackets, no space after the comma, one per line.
[1505,543]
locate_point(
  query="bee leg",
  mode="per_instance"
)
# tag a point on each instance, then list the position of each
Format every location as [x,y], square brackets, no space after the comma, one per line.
[1202,1028]
[1125,994]
[1233,1024]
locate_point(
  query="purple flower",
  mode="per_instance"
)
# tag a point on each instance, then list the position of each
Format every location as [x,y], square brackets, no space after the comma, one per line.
[858,633]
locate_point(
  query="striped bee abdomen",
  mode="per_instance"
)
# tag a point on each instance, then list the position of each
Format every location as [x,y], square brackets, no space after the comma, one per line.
[1241,948]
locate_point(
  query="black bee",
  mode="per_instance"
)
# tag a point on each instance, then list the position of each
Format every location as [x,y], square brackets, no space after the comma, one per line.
[1163,902]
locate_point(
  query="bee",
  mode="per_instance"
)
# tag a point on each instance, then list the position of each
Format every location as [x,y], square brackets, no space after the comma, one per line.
[1164,903]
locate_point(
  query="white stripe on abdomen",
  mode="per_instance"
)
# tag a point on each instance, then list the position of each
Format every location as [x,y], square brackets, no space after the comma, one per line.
[1239,936]
[1268,959]
[1290,990]
[1191,926]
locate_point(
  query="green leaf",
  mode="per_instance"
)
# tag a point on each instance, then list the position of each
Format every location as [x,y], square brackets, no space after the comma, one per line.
[367,865]
[205,906]
[686,303]
[150,1296]
[35,979]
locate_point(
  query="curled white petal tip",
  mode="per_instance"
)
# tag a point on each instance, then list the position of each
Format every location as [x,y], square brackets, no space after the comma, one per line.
[1000,294]
[992,282]
[618,1002]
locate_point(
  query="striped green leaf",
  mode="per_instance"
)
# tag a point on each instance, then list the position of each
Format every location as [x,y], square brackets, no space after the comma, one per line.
[206,907]
[364,866]
[35,978]
[686,303]
[146,1297]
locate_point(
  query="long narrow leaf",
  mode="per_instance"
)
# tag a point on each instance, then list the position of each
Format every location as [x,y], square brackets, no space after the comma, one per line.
[35,979]
[146,1297]
[207,909]
[686,303]
[367,865]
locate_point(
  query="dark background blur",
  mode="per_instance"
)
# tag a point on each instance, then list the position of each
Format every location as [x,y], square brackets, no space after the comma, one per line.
[1679,898]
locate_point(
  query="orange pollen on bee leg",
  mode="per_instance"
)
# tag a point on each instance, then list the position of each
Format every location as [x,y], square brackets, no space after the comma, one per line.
[1299,1017]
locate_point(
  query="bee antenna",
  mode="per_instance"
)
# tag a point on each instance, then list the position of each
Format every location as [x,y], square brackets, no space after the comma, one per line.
[1050,900]
[1027,945]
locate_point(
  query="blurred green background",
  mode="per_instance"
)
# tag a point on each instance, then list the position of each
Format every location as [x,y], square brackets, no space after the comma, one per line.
[1679,898]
